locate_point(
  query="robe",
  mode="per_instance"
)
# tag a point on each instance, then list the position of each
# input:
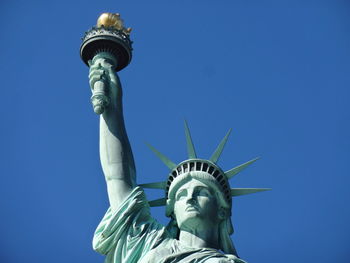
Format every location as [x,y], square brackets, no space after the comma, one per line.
[132,235]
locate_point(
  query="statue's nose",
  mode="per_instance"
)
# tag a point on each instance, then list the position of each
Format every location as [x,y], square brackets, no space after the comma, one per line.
[190,201]
[190,198]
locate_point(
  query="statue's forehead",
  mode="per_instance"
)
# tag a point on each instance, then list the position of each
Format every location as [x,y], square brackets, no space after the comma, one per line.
[193,183]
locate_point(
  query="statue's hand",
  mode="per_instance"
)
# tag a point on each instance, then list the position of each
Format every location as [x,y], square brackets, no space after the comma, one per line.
[104,84]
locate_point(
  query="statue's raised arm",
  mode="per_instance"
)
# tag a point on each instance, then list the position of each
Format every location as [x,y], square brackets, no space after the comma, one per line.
[106,48]
[115,151]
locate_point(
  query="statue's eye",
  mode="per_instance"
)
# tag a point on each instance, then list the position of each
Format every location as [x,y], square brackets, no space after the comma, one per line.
[204,192]
[181,194]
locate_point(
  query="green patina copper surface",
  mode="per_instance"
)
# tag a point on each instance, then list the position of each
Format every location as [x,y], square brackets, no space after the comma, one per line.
[198,197]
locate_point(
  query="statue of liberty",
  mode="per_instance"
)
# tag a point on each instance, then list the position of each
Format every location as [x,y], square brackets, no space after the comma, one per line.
[198,197]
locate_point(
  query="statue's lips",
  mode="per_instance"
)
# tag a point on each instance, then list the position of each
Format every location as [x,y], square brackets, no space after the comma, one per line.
[191,208]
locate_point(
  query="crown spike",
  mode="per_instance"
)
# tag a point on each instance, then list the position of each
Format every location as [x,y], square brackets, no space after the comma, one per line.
[190,147]
[230,173]
[162,157]
[157,185]
[245,191]
[214,158]
[157,202]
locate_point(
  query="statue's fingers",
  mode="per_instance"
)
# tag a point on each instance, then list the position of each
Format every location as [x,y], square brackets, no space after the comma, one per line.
[94,66]
[96,72]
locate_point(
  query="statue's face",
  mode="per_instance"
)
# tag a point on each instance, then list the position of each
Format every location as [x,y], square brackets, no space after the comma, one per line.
[195,205]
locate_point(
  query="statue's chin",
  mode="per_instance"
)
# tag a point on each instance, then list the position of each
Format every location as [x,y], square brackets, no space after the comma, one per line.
[191,221]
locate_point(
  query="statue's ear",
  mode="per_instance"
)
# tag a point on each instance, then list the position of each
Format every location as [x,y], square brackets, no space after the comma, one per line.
[222,213]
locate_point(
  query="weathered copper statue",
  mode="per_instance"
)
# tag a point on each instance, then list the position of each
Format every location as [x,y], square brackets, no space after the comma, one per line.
[198,197]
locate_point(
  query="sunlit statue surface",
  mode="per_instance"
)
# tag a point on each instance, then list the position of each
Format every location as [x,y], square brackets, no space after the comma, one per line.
[198,197]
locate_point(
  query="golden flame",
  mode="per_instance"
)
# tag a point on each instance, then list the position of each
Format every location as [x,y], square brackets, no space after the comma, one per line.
[112,20]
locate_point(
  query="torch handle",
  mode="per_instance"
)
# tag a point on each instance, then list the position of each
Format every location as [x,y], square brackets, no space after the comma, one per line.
[99,98]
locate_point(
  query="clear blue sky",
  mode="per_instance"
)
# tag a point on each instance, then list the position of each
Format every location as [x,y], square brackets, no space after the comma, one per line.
[277,72]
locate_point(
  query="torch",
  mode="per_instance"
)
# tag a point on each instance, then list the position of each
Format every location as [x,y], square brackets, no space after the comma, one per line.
[108,40]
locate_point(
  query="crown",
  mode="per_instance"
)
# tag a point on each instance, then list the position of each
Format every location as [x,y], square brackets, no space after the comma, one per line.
[210,167]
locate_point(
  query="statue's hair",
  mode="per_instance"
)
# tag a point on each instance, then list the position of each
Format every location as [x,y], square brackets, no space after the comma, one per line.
[225,226]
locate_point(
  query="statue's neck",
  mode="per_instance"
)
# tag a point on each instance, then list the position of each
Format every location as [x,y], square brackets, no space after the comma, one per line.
[204,238]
